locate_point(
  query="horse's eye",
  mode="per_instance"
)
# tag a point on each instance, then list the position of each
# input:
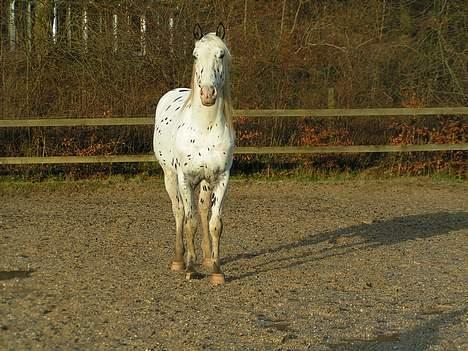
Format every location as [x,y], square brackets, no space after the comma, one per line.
[221,54]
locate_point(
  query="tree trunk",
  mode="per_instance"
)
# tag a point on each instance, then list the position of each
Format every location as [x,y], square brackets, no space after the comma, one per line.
[11,25]
[42,27]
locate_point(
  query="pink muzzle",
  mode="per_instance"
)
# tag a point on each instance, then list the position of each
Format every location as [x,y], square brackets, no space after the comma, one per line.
[208,95]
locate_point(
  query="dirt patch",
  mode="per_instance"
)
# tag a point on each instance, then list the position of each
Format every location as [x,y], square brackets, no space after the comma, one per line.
[377,265]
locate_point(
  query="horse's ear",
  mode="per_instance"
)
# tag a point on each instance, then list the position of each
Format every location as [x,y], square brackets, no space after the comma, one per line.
[221,31]
[197,32]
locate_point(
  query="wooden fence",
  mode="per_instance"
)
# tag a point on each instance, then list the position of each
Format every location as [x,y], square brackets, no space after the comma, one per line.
[323,113]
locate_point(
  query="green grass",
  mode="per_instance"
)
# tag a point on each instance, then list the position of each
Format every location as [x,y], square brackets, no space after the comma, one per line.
[51,184]
[341,178]
[56,184]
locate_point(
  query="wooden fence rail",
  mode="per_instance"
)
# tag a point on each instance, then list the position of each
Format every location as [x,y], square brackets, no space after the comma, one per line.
[128,121]
[323,113]
[238,150]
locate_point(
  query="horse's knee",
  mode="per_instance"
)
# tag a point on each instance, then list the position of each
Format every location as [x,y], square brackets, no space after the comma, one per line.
[216,225]
[178,210]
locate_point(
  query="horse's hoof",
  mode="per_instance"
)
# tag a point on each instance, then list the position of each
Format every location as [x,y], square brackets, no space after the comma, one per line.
[207,263]
[177,266]
[217,278]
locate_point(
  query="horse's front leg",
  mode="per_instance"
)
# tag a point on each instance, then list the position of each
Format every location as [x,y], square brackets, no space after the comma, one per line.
[216,226]
[186,191]
[170,180]
[204,205]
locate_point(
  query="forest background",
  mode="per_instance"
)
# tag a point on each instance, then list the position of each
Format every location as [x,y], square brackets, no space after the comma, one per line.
[64,58]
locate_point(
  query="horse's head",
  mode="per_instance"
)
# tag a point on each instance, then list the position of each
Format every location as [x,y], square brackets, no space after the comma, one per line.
[211,62]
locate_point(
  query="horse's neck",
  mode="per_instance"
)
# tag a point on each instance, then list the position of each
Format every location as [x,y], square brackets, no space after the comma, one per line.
[207,116]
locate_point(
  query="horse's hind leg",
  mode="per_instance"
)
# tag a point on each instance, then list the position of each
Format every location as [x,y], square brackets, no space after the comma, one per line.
[204,205]
[170,180]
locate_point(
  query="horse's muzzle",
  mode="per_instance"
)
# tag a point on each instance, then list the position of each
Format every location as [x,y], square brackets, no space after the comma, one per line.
[208,95]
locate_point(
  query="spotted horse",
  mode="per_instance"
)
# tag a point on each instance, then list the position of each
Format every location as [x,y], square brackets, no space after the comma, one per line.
[193,142]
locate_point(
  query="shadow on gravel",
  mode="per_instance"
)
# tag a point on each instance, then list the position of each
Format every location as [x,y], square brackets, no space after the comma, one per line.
[419,338]
[375,234]
[7,275]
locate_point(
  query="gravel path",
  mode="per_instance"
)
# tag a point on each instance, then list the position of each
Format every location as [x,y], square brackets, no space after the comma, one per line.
[356,265]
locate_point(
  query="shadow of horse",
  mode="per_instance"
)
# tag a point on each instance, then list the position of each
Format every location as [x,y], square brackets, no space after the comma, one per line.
[419,338]
[386,232]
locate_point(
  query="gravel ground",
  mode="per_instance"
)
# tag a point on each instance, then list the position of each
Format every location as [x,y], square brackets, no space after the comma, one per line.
[354,265]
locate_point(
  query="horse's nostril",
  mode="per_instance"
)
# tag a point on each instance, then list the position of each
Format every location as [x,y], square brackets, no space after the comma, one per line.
[209,92]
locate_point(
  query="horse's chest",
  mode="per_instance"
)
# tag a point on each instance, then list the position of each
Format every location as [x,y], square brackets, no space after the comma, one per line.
[203,155]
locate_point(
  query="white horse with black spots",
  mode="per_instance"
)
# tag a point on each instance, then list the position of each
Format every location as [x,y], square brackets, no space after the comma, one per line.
[193,142]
